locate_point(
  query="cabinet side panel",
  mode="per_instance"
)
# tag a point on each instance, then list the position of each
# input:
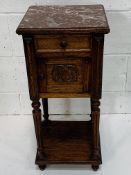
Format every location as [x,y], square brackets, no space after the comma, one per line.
[31,67]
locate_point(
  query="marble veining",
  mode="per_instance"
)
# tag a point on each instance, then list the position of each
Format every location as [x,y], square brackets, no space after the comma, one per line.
[48,17]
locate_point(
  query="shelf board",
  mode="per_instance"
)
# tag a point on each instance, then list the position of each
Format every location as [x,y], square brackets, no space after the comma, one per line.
[66,142]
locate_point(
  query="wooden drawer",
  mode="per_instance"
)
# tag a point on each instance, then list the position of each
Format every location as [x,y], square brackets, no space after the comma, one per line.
[63,75]
[71,44]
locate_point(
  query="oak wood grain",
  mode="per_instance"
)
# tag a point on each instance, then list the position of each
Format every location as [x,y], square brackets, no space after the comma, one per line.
[67,142]
[48,43]
[64,75]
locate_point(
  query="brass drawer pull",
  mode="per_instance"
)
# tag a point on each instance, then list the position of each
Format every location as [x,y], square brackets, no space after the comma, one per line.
[63,44]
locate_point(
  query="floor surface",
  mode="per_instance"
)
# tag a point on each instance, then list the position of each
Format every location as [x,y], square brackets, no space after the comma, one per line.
[18,147]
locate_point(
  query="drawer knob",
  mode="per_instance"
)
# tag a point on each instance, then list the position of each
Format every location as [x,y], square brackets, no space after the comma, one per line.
[63,44]
[41,77]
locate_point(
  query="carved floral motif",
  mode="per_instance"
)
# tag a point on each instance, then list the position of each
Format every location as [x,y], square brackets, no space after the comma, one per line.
[65,73]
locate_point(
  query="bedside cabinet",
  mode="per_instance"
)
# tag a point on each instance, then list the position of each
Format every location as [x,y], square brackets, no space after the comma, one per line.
[64,56]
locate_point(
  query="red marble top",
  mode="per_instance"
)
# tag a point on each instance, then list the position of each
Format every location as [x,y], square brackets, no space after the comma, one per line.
[77,18]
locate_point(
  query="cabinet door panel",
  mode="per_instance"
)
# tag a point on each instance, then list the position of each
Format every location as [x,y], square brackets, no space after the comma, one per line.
[63,75]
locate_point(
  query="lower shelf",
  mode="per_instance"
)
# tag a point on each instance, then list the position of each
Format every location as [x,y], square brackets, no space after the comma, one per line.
[67,142]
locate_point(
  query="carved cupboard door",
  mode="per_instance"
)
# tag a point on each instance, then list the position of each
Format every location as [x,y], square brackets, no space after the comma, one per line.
[69,75]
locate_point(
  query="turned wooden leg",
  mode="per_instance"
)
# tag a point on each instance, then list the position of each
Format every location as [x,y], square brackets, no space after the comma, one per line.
[95,117]
[45,109]
[37,123]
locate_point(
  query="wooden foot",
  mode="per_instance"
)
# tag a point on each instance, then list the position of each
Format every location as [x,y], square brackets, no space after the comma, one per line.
[95,167]
[42,167]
